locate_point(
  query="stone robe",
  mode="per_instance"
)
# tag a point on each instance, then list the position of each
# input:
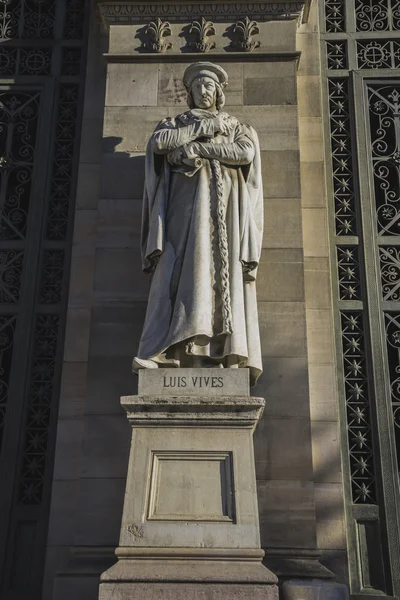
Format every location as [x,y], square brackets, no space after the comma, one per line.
[181,244]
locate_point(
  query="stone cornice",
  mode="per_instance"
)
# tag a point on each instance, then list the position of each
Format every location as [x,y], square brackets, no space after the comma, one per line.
[193,56]
[130,12]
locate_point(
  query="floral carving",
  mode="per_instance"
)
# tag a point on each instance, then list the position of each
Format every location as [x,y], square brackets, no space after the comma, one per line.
[245,31]
[157,31]
[203,30]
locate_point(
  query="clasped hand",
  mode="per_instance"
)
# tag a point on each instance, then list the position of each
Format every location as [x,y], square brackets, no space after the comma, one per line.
[192,150]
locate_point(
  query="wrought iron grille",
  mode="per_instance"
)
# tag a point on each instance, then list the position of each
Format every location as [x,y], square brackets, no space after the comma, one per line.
[27,19]
[378,54]
[361,37]
[392,324]
[19,114]
[39,410]
[7,333]
[358,408]
[39,141]
[342,159]
[334,16]
[337,54]
[377,15]
[349,272]
[384,113]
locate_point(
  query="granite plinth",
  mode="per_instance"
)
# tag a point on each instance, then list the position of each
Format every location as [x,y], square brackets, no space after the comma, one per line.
[190,519]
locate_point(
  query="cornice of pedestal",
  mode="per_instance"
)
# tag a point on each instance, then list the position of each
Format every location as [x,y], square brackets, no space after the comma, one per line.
[192,411]
[132,12]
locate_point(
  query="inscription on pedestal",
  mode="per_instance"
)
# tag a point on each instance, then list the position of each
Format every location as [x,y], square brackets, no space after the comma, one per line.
[194,382]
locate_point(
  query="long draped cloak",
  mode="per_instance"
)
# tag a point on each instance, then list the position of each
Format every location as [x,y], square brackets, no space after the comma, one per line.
[182,250]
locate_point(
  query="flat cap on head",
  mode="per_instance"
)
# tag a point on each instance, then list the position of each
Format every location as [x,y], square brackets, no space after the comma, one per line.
[205,69]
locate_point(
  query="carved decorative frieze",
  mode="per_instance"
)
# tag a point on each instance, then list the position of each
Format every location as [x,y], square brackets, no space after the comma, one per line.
[202,29]
[156,32]
[244,32]
[113,13]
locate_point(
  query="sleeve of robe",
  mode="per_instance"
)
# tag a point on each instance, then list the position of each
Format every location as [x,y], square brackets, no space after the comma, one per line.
[244,152]
[169,135]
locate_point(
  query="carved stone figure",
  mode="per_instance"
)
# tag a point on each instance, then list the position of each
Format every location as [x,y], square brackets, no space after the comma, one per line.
[202,229]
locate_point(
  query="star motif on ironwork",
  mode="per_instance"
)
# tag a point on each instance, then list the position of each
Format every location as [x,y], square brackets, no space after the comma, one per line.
[350,292]
[356,392]
[362,464]
[350,272]
[360,439]
[352,322]
[346,226]
[365,492]
[353,344]
[348,254]
[356,368]
[358,414]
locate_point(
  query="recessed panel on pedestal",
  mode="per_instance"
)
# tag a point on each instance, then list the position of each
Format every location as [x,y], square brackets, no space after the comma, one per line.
[191,486]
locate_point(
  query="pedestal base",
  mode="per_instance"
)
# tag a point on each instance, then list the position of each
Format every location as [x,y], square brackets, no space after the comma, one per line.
[190,520]
[186,591]
[188,573]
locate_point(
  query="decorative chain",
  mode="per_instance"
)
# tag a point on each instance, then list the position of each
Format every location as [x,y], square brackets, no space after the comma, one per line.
[223,248]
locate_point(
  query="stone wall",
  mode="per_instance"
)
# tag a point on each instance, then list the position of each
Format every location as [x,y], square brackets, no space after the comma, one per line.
[296,441]
[322,368]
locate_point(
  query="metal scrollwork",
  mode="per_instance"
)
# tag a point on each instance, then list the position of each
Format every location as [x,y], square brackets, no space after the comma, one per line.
[35,61]
[10,12]
[392,323]
[377,54]
[157,31]
[372,15]
[19,114]
[11,264]
[203,29]
[384,116]
[358,409]
[377,15]
[390,272]
[39,19]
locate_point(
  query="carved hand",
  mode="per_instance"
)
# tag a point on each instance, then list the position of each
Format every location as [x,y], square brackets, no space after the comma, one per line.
[220,125]
[175,157]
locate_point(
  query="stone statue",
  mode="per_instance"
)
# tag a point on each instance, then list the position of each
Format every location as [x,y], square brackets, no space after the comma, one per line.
[202,229]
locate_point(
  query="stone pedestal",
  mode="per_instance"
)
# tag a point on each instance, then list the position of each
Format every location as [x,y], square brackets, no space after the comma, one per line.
[190,519]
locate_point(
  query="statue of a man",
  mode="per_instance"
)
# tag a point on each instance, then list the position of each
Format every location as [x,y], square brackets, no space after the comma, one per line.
[202,229]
